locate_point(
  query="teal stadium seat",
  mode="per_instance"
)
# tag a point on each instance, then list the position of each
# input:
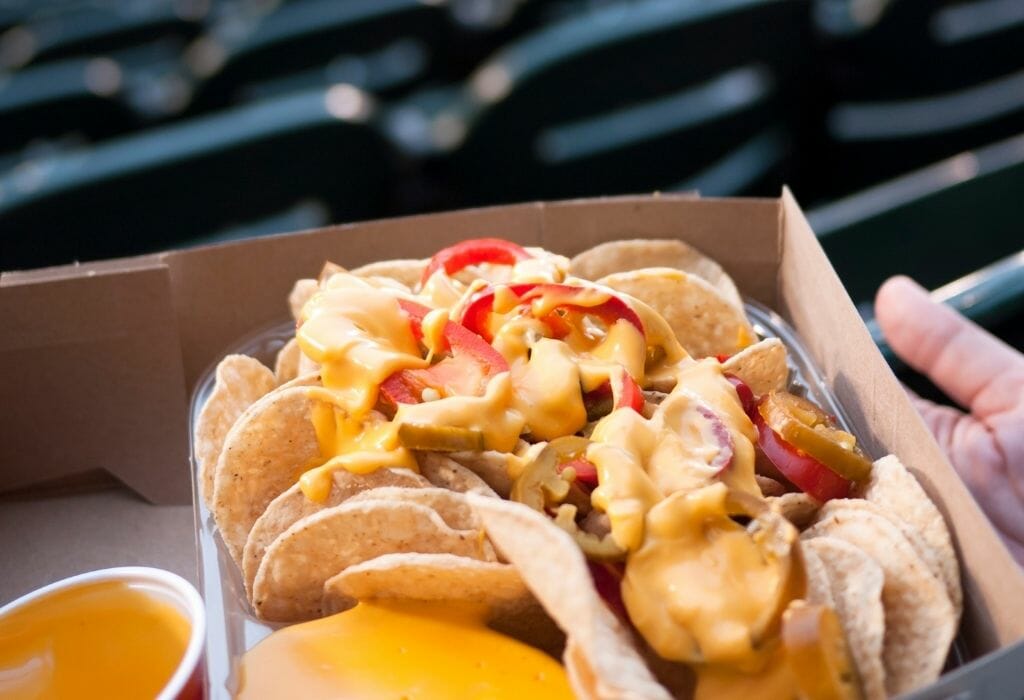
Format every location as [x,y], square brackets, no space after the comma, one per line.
[935,225]
[173,184]
[911,84]
[955,227]
[632,97]
[89,29]
[84,96]
[376,45]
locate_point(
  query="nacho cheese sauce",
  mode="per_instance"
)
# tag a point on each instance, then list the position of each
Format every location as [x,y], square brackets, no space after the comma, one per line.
[359,336]
[389,650]
[97,640]
[699,587]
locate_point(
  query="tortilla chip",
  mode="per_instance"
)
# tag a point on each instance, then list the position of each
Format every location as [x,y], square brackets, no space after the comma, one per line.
[448,474]
[704,322]
[589,683]
[286,366]
[492,467]
[818,589]
[302,291]
[408,272]
[240,381]
[762,366]
[262,456]
[307,365]
[769,486]
[855,583]
[427,577]
[624,256]
[308,379]
[920,622]
[928,556]
[290,581]
[448,578]
[796,507]
[450,505]
[895,490]
[511,608]
[600,658]
[292,505]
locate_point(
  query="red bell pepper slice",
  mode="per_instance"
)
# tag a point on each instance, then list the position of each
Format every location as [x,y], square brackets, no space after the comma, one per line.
[586,472]
[607,579]
[806,473]
[479,250]
[626,392]
[472,363]
[577,298]
[622,389]
[745,394]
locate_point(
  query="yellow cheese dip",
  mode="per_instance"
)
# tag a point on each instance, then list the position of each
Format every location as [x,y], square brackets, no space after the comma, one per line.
[409,650]
[98,640]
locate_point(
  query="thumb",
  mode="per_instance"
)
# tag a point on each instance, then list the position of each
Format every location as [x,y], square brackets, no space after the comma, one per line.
[962,359]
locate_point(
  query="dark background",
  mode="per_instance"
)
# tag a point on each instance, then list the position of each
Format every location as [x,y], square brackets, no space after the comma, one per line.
[133,126]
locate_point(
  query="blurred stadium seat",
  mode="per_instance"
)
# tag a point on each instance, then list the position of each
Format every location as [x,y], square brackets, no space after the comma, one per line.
[178,183]
[935,225]
[613,100]
[78,95]
[82,29]
[130,125]
[377,45]
[910,83]
[742,170]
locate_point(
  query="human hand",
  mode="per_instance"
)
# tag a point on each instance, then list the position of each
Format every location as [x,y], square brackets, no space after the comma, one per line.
[982,374]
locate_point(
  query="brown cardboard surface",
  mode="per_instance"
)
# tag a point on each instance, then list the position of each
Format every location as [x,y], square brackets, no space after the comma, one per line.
[228,291]
[82,345]
[91,380]
[45,540]
[77,269]
[813,299]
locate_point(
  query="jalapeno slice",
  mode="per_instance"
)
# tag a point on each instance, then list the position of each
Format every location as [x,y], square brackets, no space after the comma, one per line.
[541,484]
[812,431]
[595,547]
[440,438]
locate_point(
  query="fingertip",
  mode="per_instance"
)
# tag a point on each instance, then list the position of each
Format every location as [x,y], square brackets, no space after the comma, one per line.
[897,288]
[894,301]
[958,356]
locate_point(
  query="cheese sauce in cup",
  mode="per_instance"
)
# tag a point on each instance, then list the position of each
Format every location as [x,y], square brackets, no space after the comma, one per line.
[130,632]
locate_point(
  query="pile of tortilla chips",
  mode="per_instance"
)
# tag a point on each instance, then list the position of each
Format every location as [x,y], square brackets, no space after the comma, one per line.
[883,561]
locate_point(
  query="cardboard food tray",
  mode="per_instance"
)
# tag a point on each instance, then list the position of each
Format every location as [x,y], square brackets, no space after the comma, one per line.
[108,351]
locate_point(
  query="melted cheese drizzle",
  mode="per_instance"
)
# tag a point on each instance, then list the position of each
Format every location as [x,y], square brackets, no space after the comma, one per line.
[358,334]
[697,584]
[389,650]
[699,581]
[767,676]
[491,414]
[661,479]
[641,461]
[358,445]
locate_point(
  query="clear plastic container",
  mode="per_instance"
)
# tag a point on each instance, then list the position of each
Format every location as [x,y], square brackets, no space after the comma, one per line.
[232,628]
